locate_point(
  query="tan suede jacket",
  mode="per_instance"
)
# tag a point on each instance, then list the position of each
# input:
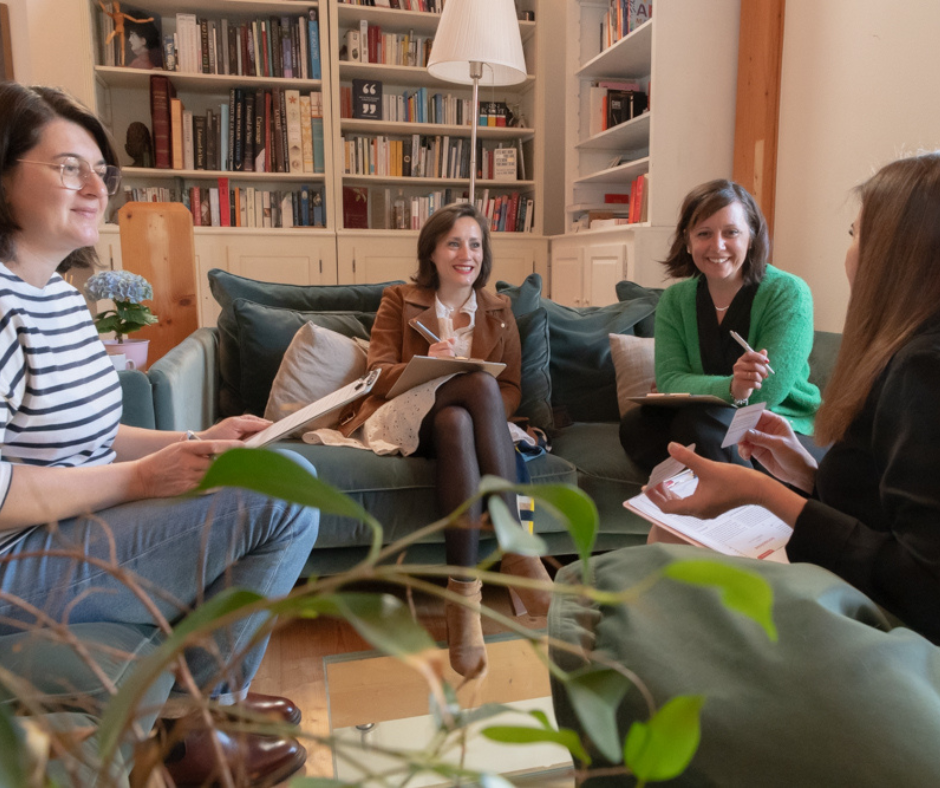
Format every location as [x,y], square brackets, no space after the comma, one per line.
[394,342]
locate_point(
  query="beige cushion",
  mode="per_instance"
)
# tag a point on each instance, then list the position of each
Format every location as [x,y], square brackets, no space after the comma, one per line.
[317,362]
[633,365]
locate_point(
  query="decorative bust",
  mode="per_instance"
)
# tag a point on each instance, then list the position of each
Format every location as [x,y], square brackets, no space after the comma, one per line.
[139,146]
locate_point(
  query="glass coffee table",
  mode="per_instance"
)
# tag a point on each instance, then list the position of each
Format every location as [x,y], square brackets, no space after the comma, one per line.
[377,703]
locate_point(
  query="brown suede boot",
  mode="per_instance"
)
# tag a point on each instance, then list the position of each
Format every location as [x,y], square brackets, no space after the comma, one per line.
[464,630]
[533,601]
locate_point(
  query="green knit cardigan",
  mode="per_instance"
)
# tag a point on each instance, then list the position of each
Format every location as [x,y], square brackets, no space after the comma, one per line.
[781,324]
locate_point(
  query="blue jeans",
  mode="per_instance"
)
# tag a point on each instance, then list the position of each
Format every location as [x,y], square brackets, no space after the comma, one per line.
[181,552]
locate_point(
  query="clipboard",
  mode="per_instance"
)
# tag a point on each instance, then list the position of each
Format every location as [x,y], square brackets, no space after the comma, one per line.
[421,369]
[679,400]
[302,417]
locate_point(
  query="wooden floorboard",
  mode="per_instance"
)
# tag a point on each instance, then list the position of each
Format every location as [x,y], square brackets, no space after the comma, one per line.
[293,664]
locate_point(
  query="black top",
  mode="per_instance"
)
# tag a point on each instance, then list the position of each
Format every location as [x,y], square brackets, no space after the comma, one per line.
[876,522]
[719,351]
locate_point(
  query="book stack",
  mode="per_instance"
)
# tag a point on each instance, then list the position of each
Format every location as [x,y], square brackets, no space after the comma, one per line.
[368,43]
[612,102]
[226,206]
[622,18]
[426,6]
[416,106]
[271,130]
[511,213]
[285,46]
[639,199]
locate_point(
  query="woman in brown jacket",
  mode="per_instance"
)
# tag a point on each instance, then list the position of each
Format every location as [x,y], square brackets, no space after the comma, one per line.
[459,420]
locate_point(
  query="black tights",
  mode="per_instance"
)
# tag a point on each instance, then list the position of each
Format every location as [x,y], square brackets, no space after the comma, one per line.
[466,432]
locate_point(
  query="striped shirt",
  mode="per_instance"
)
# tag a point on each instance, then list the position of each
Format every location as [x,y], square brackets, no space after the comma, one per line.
[60,398]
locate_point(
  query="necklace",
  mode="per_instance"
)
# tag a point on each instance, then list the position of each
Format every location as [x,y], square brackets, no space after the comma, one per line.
[722,308]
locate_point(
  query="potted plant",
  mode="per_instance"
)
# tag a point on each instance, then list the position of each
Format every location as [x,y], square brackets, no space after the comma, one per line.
[128,292]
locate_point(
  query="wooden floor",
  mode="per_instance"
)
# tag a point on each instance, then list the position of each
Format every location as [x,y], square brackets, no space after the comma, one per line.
[293,665]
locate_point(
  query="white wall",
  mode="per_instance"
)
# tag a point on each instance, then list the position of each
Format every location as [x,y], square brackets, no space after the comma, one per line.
[859,88]
[50,44]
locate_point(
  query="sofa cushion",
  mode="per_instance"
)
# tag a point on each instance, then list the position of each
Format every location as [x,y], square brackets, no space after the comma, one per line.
[227,288]
[584,386]
[633,367]
[265,332]
[627,291]
[317,363]
[524,298]
[536,403]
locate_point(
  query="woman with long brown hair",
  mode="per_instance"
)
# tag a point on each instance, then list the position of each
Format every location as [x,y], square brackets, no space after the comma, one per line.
[870,511]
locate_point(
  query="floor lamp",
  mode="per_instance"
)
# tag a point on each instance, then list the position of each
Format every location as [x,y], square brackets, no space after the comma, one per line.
[477,40]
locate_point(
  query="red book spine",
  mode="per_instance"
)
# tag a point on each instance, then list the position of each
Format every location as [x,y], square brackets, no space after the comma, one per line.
[161,89]
[513,212]
[225,205]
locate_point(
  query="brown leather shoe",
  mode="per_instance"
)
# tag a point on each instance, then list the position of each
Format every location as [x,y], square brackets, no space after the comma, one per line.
[272,706]
[254,760]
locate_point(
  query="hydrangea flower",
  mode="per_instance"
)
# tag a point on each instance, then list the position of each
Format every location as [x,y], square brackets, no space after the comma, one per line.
[118,286]
[127,291]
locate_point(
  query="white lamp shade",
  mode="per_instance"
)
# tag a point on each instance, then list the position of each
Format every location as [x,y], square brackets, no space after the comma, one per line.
[482,31]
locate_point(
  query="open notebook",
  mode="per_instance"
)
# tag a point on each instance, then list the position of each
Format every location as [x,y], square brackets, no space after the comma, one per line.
[421,369]
[339,398]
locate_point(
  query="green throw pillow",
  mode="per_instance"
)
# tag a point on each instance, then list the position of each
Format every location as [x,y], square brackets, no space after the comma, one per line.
[584,384]
[525,297]
[227,288]
[536,403]
[264,334]
[627,291]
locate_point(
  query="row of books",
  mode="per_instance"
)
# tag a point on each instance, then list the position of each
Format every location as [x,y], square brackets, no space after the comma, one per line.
[427,6]
[272,130]
[622,18]
[226,206]
[612,102]
[509,213]
[286,46]
[367,100]
[421,156]
[365,208]
[369,44]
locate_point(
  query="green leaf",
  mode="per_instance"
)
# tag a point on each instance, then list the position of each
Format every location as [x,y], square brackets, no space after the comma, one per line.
[13,770]
[525,734]
[746,592]
[595,694]
[386,623]
[512,537]
[662,748]
[271,473]
[567,504]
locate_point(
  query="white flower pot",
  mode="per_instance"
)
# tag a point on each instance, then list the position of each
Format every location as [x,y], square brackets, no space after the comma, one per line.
[133,349]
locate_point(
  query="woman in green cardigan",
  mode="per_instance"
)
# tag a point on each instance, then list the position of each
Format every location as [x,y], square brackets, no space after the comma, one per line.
[721,246]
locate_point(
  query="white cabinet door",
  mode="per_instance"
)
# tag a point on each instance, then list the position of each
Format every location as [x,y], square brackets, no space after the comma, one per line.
[364,259]
[514,258]
[567,275]
[604,267]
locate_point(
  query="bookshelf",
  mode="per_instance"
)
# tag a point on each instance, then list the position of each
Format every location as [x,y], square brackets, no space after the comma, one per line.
[685,57]
[332,253]
[375,252]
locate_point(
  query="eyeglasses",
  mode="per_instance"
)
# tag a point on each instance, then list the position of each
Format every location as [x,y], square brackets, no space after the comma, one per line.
[75,172]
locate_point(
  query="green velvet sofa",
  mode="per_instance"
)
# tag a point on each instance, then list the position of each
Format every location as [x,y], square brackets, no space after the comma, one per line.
[568,384]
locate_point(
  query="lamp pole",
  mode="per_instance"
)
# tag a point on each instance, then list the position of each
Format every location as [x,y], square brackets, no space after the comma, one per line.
[476,74]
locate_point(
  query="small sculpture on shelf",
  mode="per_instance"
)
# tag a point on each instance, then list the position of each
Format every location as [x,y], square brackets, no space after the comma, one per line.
[119,17]
[139,146]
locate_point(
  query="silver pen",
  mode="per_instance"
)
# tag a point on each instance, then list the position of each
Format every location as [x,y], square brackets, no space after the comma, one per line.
[740,340]
[422,329]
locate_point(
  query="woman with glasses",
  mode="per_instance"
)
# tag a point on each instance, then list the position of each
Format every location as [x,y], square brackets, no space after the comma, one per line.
[79,491]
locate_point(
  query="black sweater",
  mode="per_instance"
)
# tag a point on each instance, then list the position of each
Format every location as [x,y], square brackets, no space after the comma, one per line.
[876,520]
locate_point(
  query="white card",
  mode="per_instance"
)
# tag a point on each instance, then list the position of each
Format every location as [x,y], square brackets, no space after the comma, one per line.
[744,419]
[666,469]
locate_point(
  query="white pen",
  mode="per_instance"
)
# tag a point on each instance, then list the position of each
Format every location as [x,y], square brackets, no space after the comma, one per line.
[740,340]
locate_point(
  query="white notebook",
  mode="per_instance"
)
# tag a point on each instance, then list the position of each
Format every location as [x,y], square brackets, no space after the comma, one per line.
[292,423]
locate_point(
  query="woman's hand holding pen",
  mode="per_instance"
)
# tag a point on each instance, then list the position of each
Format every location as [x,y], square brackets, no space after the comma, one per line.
[443,349]
[749,373]
[775,446]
